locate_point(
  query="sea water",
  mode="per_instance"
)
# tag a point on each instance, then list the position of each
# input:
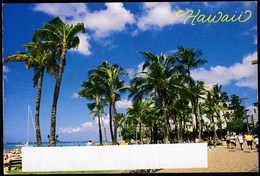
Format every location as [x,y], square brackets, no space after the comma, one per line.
[10,146]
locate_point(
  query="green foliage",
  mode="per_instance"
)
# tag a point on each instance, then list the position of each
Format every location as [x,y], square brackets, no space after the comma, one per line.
[128,132]
[236,125]
[236,107]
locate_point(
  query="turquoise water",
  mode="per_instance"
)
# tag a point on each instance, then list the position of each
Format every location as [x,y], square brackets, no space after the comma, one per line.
[12,145]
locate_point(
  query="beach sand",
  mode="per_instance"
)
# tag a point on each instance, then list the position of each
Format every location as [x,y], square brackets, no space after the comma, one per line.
[220,159]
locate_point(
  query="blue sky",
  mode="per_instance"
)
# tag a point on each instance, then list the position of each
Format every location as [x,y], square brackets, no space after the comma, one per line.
[116,32]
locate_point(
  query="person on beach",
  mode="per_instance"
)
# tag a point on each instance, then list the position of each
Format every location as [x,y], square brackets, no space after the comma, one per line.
[215,140]
[210,142]
[249,140]
[228,140]
[256,143]
[240,141]
[233,141]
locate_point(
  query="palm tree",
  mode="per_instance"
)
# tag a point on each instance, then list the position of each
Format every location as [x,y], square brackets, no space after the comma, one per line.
[136,113]
[159,80]
[65,37]
[93,91]
[100,109]
[121,121]
[220,99]
[39,57]
[109,76]
[197,94]
[208,109]
[188,58]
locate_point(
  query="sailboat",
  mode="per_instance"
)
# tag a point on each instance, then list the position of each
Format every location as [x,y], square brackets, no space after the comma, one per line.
[26,144]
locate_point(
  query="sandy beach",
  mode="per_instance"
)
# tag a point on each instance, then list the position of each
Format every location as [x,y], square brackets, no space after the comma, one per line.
[222,159]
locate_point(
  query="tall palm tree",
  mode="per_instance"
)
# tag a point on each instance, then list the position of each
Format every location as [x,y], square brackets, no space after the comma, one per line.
[159,80]
[197,95]
[220,99]
[189,58]
[109,75]
[100,109]
[215,102]
[93,91]
[65,37]
[40,57]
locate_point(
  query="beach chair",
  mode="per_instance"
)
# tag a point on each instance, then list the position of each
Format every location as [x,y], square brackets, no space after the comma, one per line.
[14,163]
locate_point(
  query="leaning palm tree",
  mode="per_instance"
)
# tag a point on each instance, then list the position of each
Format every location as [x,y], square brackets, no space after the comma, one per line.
[65,37]
[40,57]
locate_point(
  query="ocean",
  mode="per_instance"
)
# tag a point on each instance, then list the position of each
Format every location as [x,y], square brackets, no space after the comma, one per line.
[10,146]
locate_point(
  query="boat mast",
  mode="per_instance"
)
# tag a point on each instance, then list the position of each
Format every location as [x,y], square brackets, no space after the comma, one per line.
[27,141]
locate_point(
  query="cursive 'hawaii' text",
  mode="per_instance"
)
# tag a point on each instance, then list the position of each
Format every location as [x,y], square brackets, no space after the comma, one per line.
[219,17]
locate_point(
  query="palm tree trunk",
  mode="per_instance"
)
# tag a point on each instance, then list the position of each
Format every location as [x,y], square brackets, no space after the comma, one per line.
[55,99]
[165,128]
[214,129]
[99,128]
[180,130]
[110,121]
[140,133]
[200,127]
[115,124]
[37,109]
[155,132]
[105,132]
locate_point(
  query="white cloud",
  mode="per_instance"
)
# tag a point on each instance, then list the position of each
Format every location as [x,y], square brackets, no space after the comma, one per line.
[75,95]
[252,32]
[84,46]
[61,9]
[5,70]
[244,74]
[87,125]
[131,73]
[140,67]
[106,120]
[123,104]
[158,14]
[103,22]
[69,130]
[113,19]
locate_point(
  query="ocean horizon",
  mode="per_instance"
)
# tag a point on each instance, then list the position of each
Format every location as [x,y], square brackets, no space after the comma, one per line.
[12,145]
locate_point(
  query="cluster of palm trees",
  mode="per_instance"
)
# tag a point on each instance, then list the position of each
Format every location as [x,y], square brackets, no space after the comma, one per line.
[165,97]
[47,51]
[104,87]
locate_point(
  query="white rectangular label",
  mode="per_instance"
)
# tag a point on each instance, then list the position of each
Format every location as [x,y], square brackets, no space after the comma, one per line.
[150,156]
